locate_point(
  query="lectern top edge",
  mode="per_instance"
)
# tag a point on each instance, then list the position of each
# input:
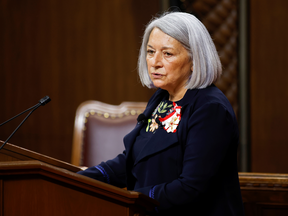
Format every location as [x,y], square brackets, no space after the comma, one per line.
[13,153]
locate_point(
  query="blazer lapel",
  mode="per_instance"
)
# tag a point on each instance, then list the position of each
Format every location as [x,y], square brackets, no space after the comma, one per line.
[160,141]
[129,139]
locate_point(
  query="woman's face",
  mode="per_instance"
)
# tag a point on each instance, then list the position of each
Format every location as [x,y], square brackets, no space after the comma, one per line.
[169,63]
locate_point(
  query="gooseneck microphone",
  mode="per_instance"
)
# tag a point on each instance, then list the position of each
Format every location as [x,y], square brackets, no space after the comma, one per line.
[141,118]
[42,102]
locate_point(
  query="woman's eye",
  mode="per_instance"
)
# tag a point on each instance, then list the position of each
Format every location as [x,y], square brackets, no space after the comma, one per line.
[167,54]
[150,51]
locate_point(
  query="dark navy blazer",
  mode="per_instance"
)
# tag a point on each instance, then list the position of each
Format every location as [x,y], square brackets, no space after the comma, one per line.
[190,172]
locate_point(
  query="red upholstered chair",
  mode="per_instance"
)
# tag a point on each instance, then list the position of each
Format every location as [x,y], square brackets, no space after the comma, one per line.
[99,130]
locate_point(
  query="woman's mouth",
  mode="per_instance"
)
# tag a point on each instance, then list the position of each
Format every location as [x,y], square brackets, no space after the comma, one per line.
[156,75]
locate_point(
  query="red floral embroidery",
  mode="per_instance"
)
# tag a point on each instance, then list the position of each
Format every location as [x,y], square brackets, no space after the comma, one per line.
[171,121]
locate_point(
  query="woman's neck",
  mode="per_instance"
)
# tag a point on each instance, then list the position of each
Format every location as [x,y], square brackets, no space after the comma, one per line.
[177,96]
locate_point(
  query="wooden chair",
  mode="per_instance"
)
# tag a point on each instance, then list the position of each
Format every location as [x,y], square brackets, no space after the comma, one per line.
[99,130]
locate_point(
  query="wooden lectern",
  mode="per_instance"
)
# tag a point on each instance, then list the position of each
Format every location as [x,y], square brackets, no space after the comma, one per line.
[32,184]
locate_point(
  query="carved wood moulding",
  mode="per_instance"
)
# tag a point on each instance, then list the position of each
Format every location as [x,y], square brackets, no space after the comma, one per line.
[221,19]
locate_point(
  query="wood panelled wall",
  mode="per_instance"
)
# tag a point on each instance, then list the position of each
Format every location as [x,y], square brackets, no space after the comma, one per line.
[80,50]
[72,51]
[268,85]
[268,57]
[221,20]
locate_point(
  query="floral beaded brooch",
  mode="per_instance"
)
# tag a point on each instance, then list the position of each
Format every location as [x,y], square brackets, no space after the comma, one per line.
[170,120]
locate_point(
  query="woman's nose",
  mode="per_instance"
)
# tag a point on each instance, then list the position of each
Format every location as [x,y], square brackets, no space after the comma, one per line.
[157,60]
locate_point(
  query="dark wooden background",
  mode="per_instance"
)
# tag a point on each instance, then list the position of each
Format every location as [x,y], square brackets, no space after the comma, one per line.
[72,51]
[81,50]
[269,85]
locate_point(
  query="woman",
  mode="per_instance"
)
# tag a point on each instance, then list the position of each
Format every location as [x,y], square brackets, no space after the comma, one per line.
[183,151]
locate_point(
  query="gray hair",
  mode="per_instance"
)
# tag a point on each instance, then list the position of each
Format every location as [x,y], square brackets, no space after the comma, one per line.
[193,35]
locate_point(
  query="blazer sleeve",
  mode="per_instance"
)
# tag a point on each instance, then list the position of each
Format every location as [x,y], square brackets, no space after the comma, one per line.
[210,132]
[112,171]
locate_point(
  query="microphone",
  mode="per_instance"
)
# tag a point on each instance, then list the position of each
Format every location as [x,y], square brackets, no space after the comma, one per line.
[42,102]
[141,118]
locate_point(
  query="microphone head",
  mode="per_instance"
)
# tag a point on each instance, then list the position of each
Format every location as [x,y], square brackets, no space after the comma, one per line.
[141,117]
[44,100]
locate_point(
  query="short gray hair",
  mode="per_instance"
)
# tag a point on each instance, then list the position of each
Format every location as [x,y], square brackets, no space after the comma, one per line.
[193,35]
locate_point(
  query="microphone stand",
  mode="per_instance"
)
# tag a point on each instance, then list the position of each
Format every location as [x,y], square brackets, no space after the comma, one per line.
[18,115]
[42,102]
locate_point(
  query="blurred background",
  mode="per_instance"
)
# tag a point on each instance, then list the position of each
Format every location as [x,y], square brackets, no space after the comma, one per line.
[76,50]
